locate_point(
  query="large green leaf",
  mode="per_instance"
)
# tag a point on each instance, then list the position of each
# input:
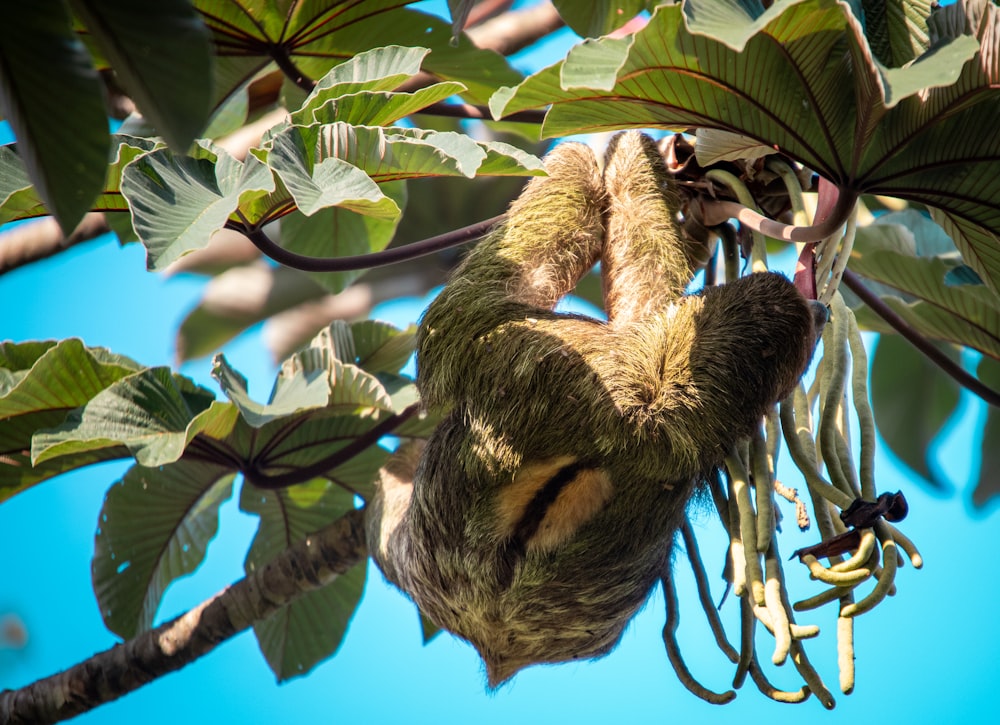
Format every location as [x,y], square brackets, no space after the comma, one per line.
[179,202]
[801,78]
[358,90]
[148,412]
[45,76]
[316,35]
[19,199]
[887,252]
[298,636]
[154,527]
[912,399]
[162,57]
[897,29]
[40,383]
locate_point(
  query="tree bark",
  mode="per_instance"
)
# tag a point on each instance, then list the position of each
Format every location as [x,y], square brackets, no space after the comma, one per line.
[304,567]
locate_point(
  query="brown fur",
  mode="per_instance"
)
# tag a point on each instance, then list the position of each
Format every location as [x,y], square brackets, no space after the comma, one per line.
[544,506]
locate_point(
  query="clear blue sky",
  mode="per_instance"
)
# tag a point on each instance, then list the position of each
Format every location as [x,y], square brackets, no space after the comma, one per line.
[926,656]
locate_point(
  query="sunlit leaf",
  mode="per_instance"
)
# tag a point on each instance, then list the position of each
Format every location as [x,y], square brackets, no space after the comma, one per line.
[155,526]
[179,202]
[801,78]
[40,383]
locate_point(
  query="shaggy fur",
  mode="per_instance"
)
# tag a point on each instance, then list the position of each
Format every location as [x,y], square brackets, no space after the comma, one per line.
[542,510]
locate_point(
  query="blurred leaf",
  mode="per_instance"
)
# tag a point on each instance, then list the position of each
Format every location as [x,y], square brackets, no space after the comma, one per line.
[154,528]
[237,299]
[46,72]
[916,260]
[594,19]
[315,37]
[800,77]
[988,485]
[309,630]
[40,383]
[161,55]
[912,400]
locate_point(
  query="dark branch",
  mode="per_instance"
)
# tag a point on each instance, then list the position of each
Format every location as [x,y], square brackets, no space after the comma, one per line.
[365,261]
[287,66]
[949,366]
[337,458]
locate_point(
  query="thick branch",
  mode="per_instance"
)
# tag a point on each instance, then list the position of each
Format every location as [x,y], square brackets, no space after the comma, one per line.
[30,242]
[108,675]
[949,366]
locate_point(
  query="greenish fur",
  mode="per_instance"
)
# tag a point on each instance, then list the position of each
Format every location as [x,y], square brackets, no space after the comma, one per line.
[654,398]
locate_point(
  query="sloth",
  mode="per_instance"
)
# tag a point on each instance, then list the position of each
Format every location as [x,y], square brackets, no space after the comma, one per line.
[539,514]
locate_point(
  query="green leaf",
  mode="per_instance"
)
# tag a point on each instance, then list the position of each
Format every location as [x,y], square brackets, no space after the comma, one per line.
[162,57]
[339,232]
[40,383]
[801,78]
[317,37]
[903,258]
[305,159]
[154,528]
[20,200]
[309,630]
[148,412]
[988,484]
[593,19]
[381,348]
[357,91]
[45,73]
[910,416]
[179,202]
[897,30]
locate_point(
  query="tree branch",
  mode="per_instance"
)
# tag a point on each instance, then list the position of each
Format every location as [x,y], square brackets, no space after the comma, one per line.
[302,568]
[43,238]
[364,261]
[337,458]
[949,366]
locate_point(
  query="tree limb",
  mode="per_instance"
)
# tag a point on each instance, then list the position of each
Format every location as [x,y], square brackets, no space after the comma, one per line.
[302,568]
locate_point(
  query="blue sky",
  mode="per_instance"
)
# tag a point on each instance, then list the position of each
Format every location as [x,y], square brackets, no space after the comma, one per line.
[927,655]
